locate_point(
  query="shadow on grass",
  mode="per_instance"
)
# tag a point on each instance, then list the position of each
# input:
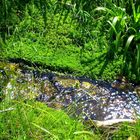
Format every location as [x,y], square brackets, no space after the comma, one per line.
[101,60]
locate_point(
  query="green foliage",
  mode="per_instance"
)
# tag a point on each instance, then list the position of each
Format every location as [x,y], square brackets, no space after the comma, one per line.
[13,11]
[10,14]
[124,37]
[99,39]
[60,45]
[127,131]
[46,32]
[33,120]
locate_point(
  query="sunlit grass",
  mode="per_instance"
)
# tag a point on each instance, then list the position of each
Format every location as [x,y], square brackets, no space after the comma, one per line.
[34,120]
[22,119]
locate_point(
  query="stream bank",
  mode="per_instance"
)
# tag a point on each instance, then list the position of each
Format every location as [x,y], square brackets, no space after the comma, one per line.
[94,100]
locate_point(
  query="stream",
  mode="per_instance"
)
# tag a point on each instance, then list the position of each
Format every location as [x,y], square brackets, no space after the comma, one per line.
[83,98]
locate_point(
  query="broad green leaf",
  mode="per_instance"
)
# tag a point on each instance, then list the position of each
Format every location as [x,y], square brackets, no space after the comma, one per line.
[138,17]
[118,40]
[134,10]
[115,20]
[129,40]
[100,9]
[127,45]
[113,27]
[138,60]
[104,9]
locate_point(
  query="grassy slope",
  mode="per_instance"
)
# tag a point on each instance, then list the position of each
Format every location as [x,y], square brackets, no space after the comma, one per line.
[57,46]
[30,120]
[33,120]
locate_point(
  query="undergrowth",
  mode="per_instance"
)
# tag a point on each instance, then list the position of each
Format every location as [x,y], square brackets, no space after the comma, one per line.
[101,43]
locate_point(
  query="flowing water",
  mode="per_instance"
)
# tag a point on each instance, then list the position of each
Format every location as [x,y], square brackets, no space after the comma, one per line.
[79,97]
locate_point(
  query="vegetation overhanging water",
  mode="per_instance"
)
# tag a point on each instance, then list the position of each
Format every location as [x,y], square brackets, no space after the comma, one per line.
[92,101]
[80,97]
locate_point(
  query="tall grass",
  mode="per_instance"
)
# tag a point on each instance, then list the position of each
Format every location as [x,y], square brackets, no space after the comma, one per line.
[124,36]
[28,120]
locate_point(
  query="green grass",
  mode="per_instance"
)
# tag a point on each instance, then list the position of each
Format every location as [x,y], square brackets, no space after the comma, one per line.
[66,59]
[26,119]
[33,120]
[59,47]
[76,43]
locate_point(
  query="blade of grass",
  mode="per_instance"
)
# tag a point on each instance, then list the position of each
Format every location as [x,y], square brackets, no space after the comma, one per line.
[113,24]
[8,109]
[43,129]
[83,132]
[104,9]
[36,108]
[127,45]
